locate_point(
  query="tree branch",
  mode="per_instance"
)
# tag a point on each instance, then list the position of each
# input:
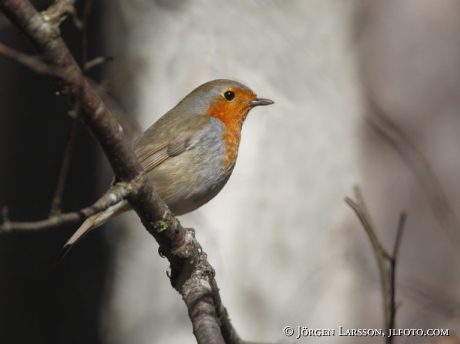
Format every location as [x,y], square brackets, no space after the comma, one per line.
[386,262]
[228,331]
[58,10]
[31,62]
[65,166]
[394,259]
[191,274]
[88,4]
[57,219]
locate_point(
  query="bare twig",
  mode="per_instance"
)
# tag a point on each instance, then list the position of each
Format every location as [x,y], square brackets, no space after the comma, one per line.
[439,301]
[129,124]
[38,66]
[386,262]
[84,33]
[393,260]
[32,62]
[381,254]
[97,61]
[228,331]
[56,12]
[420,166]
[57,219]
[63,173]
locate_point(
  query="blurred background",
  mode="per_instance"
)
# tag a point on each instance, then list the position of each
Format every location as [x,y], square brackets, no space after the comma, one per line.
[366,93]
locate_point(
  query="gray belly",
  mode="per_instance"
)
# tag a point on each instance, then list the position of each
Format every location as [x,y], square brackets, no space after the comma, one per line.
[191,179]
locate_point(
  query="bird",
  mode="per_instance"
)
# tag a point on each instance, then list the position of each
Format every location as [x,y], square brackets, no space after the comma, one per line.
[189,153]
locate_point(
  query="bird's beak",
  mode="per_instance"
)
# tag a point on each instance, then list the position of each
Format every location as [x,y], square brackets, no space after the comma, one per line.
[260,101]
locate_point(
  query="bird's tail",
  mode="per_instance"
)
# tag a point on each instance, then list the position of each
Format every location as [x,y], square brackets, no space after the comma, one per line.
[92,222]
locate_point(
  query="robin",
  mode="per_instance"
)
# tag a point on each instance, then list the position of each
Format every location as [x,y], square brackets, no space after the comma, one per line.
[190,152]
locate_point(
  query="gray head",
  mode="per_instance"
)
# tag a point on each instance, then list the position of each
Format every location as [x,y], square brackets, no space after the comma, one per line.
[224,94]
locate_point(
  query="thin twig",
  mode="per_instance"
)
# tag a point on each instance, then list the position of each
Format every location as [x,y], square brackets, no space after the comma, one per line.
[65,166]
[59,219]
[386,262]
[393,261]
[41,67]
[379,252]
[96,62]
[443,212]
[32,62]
[439,301]
[129,124]
[228,331]
[55,12]
[84,33]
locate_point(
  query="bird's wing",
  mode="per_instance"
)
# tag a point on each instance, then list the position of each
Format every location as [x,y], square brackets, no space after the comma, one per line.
[170,136]
[164,141]
[150,159]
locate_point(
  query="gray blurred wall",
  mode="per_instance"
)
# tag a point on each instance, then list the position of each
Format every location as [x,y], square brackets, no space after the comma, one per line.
[275,234]
[286,249]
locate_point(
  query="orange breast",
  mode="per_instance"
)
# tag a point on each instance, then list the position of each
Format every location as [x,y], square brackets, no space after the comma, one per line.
[232,115]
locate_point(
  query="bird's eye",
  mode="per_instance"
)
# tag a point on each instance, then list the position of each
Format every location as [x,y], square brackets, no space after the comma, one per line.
[229,95]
